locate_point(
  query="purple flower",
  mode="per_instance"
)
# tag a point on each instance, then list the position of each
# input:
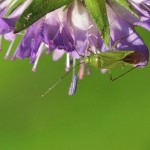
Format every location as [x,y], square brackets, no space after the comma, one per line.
[7,24]
[72,31]
[122,23]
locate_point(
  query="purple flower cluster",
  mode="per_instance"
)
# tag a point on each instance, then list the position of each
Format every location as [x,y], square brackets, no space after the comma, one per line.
[72,31]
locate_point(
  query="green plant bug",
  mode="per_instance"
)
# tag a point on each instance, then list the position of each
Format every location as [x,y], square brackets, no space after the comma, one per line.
[109,60]
[114,59]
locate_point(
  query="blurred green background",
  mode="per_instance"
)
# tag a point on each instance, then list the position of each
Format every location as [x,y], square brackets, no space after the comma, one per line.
[103,115]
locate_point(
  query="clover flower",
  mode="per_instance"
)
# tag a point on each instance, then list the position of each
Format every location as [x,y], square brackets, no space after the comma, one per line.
[72,28]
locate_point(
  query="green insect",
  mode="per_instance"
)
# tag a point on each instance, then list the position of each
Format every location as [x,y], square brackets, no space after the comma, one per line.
[106,60]
[114,59]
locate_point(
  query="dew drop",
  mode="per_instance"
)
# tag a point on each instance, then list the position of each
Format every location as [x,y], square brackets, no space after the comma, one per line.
[28,16]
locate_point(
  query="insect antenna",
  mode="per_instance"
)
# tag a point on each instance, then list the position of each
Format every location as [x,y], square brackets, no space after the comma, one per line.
[121,39]
[60,79]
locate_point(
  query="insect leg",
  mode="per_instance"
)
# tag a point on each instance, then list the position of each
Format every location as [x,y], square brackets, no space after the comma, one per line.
[90,51]
[110,75]
[113,46]
[113,79]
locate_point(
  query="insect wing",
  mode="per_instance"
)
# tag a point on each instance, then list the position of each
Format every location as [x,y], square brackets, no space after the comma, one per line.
[116,55]
[114,64]
[114,59]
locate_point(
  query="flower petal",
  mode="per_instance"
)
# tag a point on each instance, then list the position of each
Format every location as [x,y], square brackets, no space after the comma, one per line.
[121,29]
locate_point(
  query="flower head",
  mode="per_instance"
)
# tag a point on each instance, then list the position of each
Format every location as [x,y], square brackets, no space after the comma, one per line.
[73,31]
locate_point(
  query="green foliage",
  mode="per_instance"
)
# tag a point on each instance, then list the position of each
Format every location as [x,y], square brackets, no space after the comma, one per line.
[127,5]
[36,10]
[16,4]
[39,8]
[97,9]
